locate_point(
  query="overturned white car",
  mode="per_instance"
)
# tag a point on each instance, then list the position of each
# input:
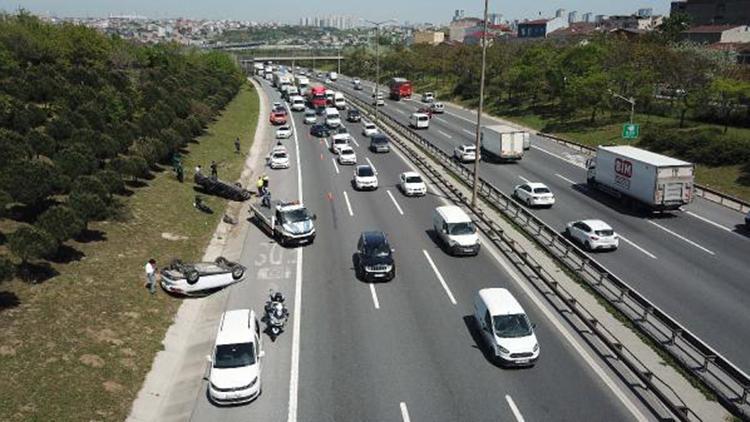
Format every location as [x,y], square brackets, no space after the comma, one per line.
[200,278]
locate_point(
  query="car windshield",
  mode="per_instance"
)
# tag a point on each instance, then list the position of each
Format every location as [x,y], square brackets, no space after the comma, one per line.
[309,114]
[379,140]
[541,190]
[279,155]
[461,228]
[295,216]
[365,172]
[508,326]
[604,233]
[378,249]
[369,126]
[413,179]
[234,355]
[469,148]
[342,130]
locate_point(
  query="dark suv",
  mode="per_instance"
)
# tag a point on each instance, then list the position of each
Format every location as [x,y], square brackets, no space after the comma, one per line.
[374,259]
[353,115]
[379,143]
[320,130]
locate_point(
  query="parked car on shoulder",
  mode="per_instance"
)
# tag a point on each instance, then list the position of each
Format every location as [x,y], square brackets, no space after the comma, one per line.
[592,234]
[202,277]
[235,363]
[534,195]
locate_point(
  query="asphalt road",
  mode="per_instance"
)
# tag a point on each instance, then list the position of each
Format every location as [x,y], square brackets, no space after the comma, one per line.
[692,264]
[405,350]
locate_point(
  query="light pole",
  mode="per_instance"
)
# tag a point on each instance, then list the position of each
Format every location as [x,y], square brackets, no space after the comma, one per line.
[377,64]
[630,100]
[477,141]
[339,60]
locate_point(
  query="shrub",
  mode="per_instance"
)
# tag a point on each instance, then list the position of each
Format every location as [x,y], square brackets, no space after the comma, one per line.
[30,243]
[88,206]
[61,222]
[27,182]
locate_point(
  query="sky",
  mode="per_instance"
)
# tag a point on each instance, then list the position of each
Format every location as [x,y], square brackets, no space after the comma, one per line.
[289,11]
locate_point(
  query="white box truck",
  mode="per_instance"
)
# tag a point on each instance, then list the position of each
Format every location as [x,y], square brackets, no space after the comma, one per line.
[649,179]
[502,143]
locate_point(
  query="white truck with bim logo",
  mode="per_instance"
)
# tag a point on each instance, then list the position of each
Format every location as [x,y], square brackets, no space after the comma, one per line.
[649,179]
[503,143]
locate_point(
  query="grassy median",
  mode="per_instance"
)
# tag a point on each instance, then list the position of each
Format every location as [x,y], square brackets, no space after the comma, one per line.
[78,346]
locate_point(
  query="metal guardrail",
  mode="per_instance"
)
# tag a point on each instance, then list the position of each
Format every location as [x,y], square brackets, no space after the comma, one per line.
[730,384]
[704,192]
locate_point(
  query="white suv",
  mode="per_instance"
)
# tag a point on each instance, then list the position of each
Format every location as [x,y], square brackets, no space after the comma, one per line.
[365,177]
[234,376]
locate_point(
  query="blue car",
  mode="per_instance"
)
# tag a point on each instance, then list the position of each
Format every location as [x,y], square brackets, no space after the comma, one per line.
[320,131]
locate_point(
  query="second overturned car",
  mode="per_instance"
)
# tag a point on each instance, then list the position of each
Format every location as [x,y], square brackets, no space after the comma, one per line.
[200,278]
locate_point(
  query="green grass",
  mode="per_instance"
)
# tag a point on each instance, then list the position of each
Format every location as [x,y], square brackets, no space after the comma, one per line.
[78,346]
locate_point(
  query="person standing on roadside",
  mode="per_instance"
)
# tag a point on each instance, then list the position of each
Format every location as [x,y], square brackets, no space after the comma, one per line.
[214,170]
[259,185]
[151,275]
[237,145]
[265,181]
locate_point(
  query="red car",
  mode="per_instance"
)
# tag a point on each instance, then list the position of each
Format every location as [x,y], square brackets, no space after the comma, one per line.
[277,118]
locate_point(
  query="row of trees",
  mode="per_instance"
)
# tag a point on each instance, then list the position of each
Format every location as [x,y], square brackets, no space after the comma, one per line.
[571,79]
[82,113]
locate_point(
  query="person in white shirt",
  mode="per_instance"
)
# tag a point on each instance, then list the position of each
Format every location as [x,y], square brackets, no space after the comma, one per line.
[151,275]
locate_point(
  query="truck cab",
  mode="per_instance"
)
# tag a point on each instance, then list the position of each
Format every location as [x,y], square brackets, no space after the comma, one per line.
[287,222]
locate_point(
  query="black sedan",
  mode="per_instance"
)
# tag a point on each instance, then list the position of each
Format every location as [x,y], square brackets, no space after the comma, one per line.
[320,130]
[353,115]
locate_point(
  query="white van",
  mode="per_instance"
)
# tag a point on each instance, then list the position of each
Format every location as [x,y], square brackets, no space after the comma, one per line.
[333,76]
[297,103]
[338,100]
[234,375]
[455,230]
[333,119]
[419,121]
[505,327]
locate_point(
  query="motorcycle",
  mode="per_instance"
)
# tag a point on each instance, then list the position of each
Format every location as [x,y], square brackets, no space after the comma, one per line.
[276,315]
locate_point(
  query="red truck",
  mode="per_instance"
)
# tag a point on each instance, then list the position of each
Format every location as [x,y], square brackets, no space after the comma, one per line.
[316,96]
[400,88]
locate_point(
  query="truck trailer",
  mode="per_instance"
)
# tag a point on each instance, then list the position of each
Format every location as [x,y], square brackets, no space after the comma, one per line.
[502,143]
[653,180]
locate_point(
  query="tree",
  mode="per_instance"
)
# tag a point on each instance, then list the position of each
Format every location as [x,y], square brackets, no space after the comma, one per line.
[41,143]
[728,93]
[90,184]
[26,181]
[61,222]
[112,180]
[88,206]
[13,147]
[75,160]
[30,243]
[672,25]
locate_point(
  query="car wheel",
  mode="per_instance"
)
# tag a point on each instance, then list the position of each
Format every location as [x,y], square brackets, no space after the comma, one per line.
[192,276]
[237,272]
[221,261]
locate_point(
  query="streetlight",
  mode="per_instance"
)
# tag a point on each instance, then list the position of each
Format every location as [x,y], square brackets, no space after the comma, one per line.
[377,62]
[630,100]
[477,141]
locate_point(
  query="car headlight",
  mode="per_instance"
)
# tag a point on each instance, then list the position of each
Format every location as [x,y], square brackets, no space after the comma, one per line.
[452,243]
[252,383]
[501,349]
[536,348]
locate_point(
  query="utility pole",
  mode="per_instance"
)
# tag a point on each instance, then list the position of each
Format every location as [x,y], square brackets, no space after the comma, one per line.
[477,141]
[339,60]
[377,64]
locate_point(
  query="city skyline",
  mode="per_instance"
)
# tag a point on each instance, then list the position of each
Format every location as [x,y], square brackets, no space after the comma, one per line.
[438,12]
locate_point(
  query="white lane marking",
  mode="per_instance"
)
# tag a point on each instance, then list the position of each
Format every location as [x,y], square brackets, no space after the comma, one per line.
[328,146]
[355,141]
[369,162]
[297,316]
[514,408]
[524,179]
[565,178]
[400,211]
[404,412]
[682,238]
[400,111]
[440,119]
[336,166]
[440,277]
[469,131]
[558,156]
[595,366]
[462,117]
[631,243]
[348,204]
[375,300]
[444,134]
[704,219]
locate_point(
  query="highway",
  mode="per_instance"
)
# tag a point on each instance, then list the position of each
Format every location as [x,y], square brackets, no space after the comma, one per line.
[405,350]
[690,263]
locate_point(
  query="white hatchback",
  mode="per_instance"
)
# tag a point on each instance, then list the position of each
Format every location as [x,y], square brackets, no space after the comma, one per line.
[466,153]
[411,184]
[369,129]
[283,132]
[347,155]
[534,194]
[365,177]
[339,141]
[234,375]
[593,234]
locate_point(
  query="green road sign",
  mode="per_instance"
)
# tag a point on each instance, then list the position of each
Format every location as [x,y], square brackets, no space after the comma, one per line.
[631,130]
